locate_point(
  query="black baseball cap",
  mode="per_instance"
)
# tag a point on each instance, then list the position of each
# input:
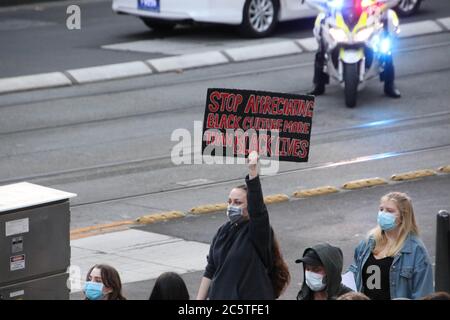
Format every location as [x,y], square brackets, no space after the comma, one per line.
[310,258]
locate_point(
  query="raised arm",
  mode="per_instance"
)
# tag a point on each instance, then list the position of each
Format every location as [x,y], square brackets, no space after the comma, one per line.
[260,232]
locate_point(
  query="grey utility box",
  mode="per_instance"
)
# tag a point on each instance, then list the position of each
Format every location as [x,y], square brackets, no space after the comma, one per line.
[34,242]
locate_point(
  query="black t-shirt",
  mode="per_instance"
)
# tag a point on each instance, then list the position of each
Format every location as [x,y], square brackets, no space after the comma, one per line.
[375,277]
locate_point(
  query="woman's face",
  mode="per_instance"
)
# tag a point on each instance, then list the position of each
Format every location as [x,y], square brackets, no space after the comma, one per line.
[238,198]
[96,276]
[390,206]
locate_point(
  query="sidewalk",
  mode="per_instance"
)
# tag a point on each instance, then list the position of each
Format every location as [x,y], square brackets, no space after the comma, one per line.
[138,255]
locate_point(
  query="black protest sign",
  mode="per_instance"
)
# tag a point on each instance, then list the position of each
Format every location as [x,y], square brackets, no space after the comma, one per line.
[277,125]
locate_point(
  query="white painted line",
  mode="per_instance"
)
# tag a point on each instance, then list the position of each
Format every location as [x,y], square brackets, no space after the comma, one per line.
[37,81]
[309,44]
[188,61]
[445,22]
[265,50]
[137,255]
[110,72]
[194,182]
[418,28]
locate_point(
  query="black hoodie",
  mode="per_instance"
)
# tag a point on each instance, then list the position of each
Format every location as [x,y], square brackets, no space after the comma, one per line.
[332,260]
[240,257]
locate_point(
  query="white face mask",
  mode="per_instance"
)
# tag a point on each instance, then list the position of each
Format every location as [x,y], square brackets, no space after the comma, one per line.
[315,281]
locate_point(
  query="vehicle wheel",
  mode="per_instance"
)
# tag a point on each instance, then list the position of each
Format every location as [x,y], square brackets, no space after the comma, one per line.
[259,17]
[158,25]
[351,80]
[406,8]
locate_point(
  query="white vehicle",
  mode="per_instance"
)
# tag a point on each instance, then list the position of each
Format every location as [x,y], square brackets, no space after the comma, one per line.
[256,18]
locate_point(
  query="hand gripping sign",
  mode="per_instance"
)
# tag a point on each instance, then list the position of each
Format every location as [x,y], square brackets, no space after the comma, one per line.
[276,125]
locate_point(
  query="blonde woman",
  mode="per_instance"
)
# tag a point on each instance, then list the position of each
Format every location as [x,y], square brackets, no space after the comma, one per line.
[393,262]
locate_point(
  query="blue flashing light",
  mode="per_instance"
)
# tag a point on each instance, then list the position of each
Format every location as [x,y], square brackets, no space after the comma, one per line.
[385,46]
[337,4]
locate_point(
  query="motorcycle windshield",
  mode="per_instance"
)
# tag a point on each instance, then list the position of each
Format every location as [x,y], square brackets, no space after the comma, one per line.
[351,11]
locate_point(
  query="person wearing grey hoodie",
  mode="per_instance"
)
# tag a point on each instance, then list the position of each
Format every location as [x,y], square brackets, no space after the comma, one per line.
[322,268]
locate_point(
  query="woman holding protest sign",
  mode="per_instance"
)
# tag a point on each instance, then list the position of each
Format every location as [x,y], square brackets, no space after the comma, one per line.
[245,261]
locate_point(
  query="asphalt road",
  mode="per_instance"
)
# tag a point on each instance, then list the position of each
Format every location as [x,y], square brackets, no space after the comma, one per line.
[112,140]
[35,38]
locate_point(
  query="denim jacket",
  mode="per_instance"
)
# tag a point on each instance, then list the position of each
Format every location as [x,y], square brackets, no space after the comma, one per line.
[411,274]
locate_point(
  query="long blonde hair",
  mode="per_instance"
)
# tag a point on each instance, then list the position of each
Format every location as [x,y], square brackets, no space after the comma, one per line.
[407,224]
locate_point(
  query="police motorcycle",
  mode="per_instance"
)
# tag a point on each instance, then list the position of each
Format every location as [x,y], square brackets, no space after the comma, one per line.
[355,40]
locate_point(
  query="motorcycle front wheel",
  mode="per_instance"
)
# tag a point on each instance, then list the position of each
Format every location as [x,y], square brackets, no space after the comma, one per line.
[351,80]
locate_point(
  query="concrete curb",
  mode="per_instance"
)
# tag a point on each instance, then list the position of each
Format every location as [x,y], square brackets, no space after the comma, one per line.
[162,216]
[314,192]
[32,82]
[413,175]
[276,198]
[189,61]
[363,183]
[110,72]
[208,208]
[444,169]
[445,22]
[99,229]
[309,44]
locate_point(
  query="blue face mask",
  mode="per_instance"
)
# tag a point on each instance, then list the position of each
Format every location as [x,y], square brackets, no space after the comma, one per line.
[234,213]
[93,290]
[315,281]
[386,220]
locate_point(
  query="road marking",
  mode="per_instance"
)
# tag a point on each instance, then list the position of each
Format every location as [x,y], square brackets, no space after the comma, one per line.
[31,82]
[263,51]
[194,182]
[314,192]
[99,228]
[162,216]
[208,208]
[188,61]
[110,72]
[445,169]
[276,198]
[137,255]
[419,28]
[413,175]
[363,183]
